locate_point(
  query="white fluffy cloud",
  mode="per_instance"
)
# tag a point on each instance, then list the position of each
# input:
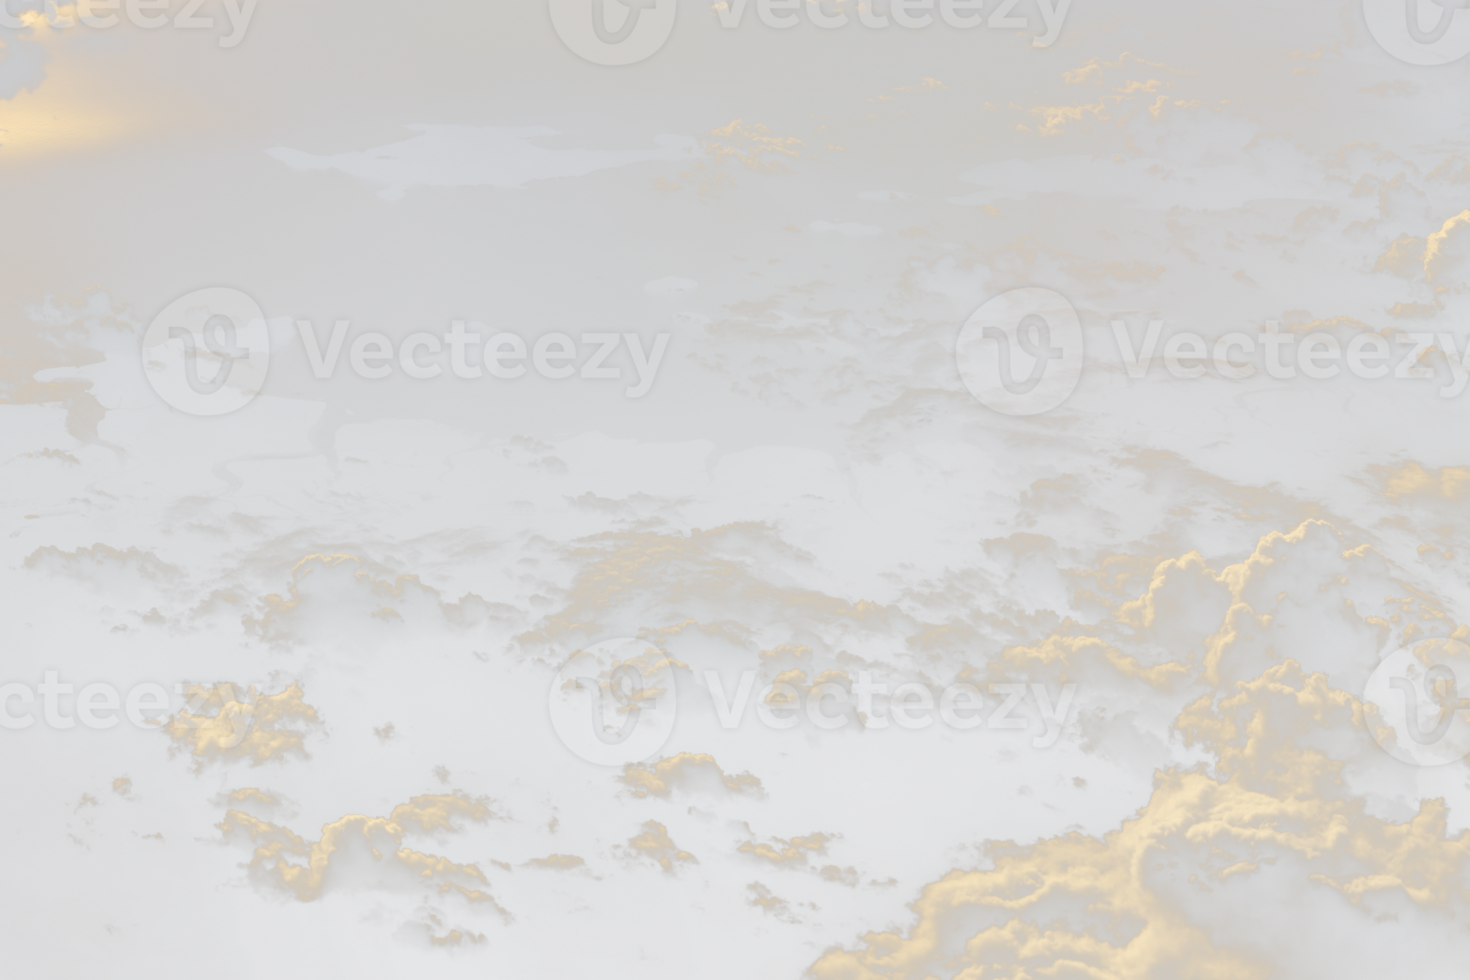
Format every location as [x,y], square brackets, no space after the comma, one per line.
[360,854]
[106,572]
[560,864]
[353,606]
[685,776]
[1266,870]
[1425,504]
[1025,262]
[809,855]
[1181,131]
[266,804]
[653,847]
[738,144]
[626,582]
[88,321]
[232,728]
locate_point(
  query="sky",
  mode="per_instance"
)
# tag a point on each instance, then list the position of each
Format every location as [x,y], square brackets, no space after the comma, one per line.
[525,502]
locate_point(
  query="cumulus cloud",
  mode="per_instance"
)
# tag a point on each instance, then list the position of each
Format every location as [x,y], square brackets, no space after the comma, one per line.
[353,606]
[685,776]
[560,864]
[807,855]
[771,905]
[626,582]
[1436,266]
[429,930]
[1209,880]
[87,321]
[231,728]
[1422,507]
[119,576]
[362,854]
[653,847]
[265,804]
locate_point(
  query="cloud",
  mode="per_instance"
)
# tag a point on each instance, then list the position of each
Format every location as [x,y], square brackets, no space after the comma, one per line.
[212,520]
[1267,869]
[1400,88]
[653,847]
[1436,265]
[230,729]
[429,930]
[353,606]
[629,509]
[1423,507]
[750,147]
[22,66]
[1181,131]
[265,804]
[925,85]
[569,864]
[625,582]
[1092,72]
[804,854]
[915,416]
[62,457]
[772,905]
[1245,279]
[1025,262]
[119,576]
[1273,829]
[360,854]
[88,321]
[687,776]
